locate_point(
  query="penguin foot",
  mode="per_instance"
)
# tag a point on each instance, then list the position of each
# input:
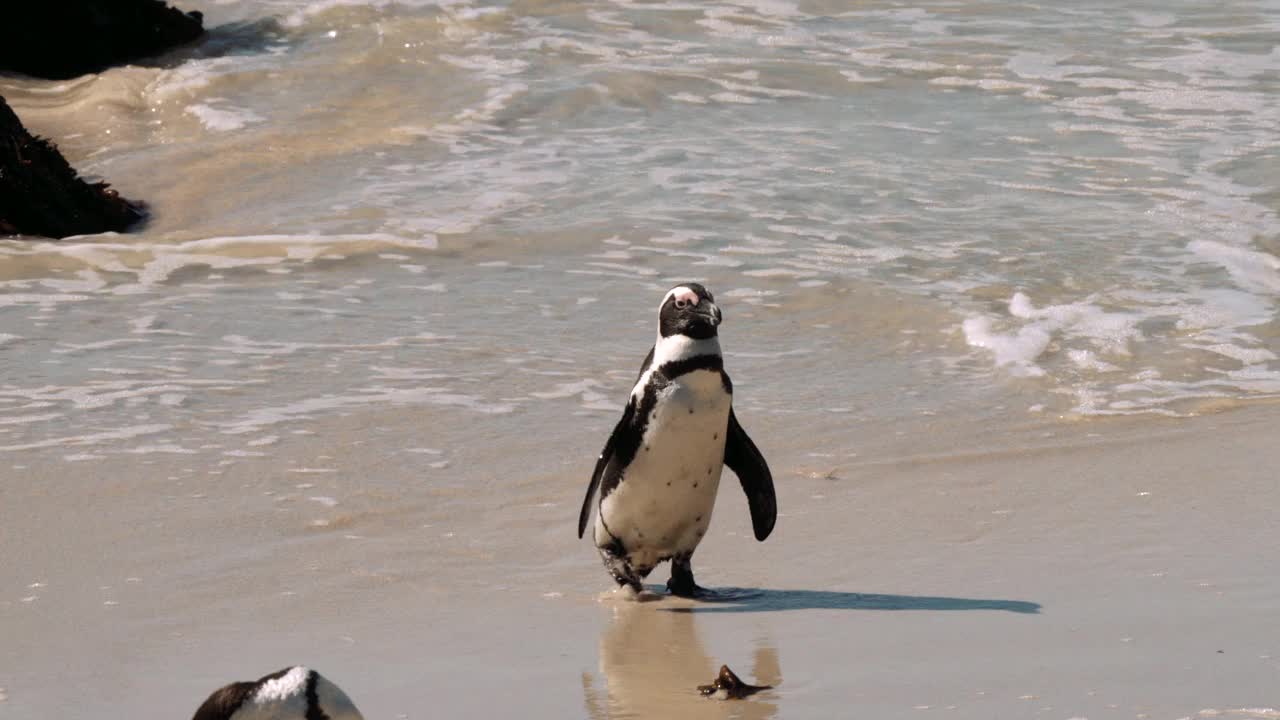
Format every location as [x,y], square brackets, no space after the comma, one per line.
[681,583]
[680,587]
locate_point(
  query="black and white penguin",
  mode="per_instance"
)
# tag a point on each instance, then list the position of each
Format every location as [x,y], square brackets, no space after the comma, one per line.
[294,693]
[659,471]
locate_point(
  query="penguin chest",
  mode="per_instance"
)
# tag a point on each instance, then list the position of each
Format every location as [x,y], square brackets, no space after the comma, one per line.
[662,506]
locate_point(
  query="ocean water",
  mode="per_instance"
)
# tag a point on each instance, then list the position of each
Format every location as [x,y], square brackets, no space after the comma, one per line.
[404,259]
[462,204]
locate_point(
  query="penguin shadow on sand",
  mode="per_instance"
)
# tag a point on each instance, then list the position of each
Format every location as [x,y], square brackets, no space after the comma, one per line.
[652,663]
[747,600]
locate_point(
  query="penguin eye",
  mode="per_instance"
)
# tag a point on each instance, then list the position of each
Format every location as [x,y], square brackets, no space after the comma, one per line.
[682,304]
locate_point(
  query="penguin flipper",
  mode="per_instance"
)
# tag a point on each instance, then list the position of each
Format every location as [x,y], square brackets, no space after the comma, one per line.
[602,463]
[745,460]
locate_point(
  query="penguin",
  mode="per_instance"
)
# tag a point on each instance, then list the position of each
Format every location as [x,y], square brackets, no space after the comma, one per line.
[294,693]
[659,471]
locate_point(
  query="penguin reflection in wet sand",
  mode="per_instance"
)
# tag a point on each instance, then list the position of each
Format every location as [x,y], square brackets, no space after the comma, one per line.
[659,471]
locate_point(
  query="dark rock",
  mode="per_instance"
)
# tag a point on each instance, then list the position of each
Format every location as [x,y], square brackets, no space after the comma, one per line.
[58,39]
[40,193]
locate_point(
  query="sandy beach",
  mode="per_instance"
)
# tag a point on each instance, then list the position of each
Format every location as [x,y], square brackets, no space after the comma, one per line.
[1000,290]
[1101,569]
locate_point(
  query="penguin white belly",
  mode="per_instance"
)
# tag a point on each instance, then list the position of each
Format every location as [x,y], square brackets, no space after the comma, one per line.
[663,504]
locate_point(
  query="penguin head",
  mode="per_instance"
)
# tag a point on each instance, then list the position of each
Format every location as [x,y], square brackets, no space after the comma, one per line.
[294,693]
[688,309]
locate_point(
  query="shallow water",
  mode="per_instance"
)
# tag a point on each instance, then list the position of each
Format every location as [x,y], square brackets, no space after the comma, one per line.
[1074,202]
[432,236]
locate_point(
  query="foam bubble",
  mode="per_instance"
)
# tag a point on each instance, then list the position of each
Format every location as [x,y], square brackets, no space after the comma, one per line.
[1088,360]
[1247,356]
[259,418]
[41,300]
[458,8]
[26,419]
[223,119]
[1019,348]
[1256,271]
[125,433]
[587,390]
[163,448]
[153,263]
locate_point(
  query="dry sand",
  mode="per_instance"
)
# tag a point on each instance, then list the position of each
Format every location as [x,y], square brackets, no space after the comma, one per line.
[1097,569]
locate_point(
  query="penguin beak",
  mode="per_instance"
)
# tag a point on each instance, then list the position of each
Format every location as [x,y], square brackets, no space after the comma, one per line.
[709,311]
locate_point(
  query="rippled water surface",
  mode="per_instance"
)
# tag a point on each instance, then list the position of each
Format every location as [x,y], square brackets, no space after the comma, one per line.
[1054,210]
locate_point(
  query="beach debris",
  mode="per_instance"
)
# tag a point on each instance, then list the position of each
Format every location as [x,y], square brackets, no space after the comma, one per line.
[728,686]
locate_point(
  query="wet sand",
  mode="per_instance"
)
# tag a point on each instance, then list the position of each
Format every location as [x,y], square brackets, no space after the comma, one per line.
[1102,569]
